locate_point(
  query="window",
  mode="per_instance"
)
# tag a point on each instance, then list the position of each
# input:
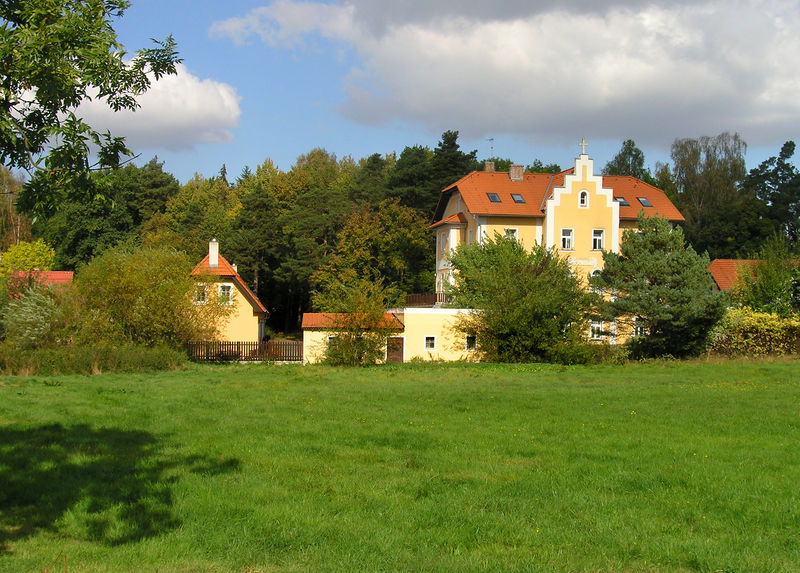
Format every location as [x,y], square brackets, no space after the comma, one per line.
[430,343]
[622,201]
[200,294]
[493,197]
[566,239]
[469,236]
[583,199]
[511,234]
[442,242]
[517,198]
[639,326]
[645,201]
[598,239]
[595,273]
[596,330]
[225,293]
[471,343]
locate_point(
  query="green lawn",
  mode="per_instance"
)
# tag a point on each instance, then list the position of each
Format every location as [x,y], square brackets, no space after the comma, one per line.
[436,467]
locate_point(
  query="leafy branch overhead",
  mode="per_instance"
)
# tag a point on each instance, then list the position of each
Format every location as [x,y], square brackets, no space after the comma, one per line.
[55,55]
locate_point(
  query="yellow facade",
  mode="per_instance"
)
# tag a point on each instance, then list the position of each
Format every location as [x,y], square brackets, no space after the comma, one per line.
[242,324]
[427,334]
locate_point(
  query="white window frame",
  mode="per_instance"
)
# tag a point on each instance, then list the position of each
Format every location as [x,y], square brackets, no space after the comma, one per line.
[568,240]
[511,233]
[583,199]
[602,239]
[639,327]
[425,343]
[200,300]
[223,299]
[442,242]
[596,330]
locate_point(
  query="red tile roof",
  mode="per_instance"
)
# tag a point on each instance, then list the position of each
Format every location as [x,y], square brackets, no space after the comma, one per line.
[332,320]
[726,271]
[536,188]
[225,270]
[458,219]
[46,277]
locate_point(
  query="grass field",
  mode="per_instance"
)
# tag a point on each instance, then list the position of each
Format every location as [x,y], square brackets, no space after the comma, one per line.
[645,467]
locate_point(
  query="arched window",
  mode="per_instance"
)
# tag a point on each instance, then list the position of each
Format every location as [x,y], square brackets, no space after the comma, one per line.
[583,199]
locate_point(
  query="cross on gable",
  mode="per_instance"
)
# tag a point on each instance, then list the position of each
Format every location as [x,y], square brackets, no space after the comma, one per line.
[583,145]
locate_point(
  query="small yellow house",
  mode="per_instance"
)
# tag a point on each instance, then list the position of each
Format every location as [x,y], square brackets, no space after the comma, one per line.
[418,334]
[248,316]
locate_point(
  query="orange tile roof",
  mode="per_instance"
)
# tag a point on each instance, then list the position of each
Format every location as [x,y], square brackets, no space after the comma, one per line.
[536,188]
[225,270]
[332,320]
[46,277]
[726,271]
[458,219]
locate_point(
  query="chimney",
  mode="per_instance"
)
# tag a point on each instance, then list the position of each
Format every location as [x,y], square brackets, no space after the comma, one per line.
[213,254]
[488,166]
[235,268]
[516,172]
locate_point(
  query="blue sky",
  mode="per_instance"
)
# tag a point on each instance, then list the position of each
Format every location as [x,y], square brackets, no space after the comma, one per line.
[274,79]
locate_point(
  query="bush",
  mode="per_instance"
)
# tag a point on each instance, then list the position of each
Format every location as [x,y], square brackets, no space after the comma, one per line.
[27,319]
[746,332]
[60,360]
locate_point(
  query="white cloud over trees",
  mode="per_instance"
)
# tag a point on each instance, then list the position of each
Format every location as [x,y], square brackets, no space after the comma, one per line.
[604,69]
[177,113]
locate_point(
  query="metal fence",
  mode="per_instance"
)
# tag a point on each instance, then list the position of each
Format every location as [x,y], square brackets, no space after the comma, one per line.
[270,351]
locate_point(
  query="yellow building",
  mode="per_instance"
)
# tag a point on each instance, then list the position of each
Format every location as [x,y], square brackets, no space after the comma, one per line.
[248,316]
[577,212]
[419,334]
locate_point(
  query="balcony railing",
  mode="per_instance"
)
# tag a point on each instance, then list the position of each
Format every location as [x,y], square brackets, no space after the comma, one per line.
[426,299]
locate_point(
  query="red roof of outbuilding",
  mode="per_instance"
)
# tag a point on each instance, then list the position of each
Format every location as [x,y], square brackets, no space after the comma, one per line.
[726,271]
[225,269]
[332,320]
[536,188]
[46,277]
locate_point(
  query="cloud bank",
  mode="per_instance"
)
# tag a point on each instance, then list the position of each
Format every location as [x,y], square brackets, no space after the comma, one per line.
[610,70]
[177,113]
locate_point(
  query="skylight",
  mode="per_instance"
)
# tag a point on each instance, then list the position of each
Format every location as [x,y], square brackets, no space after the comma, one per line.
[645,201]
[493,197]
[517,198]
[622,201]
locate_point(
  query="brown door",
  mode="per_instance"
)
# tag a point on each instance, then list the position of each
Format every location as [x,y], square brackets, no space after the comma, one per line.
[394,349]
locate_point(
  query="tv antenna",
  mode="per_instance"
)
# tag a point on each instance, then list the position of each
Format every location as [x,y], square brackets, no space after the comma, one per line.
[491,146]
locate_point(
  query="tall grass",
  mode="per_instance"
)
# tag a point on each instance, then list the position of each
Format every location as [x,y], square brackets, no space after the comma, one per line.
[659,467]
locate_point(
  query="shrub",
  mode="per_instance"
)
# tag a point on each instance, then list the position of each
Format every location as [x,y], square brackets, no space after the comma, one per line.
[746,332]
[27,319]
[60,360]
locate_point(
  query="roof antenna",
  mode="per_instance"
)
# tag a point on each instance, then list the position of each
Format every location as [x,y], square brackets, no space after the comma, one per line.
[491,146]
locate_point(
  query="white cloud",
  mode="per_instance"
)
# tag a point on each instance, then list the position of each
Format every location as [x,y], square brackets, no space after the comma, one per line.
[608,70]
[176,113]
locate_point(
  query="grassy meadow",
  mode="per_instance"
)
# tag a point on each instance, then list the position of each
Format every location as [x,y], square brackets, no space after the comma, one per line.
[434,467]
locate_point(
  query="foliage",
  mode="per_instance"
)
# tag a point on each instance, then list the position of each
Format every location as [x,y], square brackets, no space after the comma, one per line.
[776,182]
[410,180]
[58,54]
[629,160]
[390,242]
[361,327]
[747,332]
[722,216]
[529,306]
[26,257]
[659,280]
[538,167]
[26,320]
[148,293]
[772,284]
[14,226]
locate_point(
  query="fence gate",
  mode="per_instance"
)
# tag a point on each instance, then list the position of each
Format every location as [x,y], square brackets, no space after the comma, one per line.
[394,349]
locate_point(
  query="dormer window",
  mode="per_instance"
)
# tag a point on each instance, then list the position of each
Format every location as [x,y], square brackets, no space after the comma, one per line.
[645,201]
[622,201]
[583,199]
[517,198]
[493,197]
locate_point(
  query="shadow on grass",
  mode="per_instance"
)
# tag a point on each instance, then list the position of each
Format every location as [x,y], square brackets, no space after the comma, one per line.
[107,485]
